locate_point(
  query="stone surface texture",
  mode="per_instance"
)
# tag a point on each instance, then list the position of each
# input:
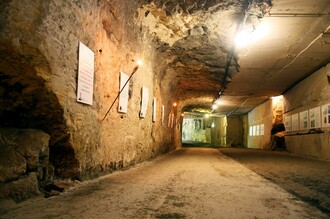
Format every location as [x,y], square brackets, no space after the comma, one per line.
[12,163]
[30,143]
[190,183]
[21,189]
[183,46]
[24,161]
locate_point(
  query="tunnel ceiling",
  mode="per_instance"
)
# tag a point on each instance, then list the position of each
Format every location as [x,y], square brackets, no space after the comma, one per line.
[288,40]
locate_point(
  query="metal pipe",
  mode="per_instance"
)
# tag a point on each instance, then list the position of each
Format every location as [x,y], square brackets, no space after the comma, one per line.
[134,70]
[295,15]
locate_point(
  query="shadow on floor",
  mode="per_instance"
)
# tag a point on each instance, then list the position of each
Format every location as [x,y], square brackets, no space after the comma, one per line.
[306,178]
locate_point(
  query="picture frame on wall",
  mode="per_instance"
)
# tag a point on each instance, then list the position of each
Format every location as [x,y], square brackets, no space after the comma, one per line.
[295,122]
[326,116]
[287,123]
[315,117]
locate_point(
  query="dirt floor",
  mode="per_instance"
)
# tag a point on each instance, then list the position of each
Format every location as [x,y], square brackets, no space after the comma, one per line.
[188,183]
[306,178]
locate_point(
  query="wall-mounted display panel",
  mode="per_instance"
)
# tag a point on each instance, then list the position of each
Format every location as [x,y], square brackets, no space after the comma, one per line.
[287,123]
[326,115]
[154,109]
[315,117]
[144,102]
[163,114]
[262,129]
[258,130]
[85,75]
[303,120]
[295,122]
[123,97]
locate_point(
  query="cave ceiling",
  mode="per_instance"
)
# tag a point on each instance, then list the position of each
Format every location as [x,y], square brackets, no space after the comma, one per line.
[195,43]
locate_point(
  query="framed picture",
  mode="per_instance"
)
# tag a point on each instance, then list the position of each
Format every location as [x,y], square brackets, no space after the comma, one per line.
[315,117]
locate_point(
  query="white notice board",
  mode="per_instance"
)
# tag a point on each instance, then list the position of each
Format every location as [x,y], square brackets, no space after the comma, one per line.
[295,122]
[326,115]
[85,75]
[163,114]
[154,109]
[287,123]
[303,120]
[144,102]
[315,117]
[123,98]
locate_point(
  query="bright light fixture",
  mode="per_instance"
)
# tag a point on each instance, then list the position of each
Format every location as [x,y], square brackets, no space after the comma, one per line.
[214,106]
[207,115]
[277,99]
[243,38]
[250,35]
[212,125]
[174,104]
[139,62]
[219,102]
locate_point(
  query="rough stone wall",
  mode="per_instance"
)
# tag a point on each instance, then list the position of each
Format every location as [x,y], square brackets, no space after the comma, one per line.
[262,114]
[39,42]
[24,162]
[312,92]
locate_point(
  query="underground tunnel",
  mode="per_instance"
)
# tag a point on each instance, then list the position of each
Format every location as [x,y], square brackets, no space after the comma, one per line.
[76,105]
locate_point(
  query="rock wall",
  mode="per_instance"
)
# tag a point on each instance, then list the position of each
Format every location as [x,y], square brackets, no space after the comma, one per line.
[24,161]
[38,71]
[313,92]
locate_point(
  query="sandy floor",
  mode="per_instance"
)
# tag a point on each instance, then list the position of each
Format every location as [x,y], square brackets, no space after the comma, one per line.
[189,183]
[306,178]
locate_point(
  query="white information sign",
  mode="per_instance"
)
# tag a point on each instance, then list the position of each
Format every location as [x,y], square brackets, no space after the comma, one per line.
[326,115]
[154,109]
[287,123]
[303,120]
[258,130]
[295,122]
[85,75]
[144,102]
[123,98]
[262,129]
[163,114]
[315,118]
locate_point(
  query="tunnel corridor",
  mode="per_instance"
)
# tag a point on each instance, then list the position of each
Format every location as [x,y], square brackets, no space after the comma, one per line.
[211,92]
[197,183]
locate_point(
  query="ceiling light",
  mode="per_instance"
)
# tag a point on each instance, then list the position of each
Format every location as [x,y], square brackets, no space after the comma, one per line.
[243,38]
[219,102]
[249,35]
[214,106]
[207,115]
[139,62]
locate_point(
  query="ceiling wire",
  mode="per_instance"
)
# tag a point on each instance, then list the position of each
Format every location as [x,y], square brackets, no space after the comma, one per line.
[231,53]
[302,51]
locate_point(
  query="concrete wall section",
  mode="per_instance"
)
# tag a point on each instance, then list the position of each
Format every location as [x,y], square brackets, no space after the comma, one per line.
[235,132]
[313,92]
[260,125]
